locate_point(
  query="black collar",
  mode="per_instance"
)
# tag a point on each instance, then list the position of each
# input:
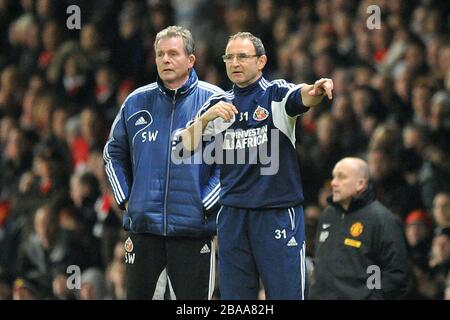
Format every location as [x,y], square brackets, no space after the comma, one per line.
[238,91]
[357,202]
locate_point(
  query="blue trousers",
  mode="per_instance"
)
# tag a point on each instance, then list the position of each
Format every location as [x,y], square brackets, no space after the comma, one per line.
[267,244]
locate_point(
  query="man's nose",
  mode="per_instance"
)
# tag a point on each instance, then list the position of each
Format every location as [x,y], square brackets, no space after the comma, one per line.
[235,61]
[165,58]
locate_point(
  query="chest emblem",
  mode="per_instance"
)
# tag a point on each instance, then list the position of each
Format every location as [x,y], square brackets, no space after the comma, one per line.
[260,114]
[356,229]
[129,245]
[352,243]
[141,121]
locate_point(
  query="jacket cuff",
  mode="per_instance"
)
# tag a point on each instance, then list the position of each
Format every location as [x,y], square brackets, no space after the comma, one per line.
[122,205]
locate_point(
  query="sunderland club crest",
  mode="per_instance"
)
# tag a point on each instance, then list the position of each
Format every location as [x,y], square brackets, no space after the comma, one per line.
[260,114]
[128,245]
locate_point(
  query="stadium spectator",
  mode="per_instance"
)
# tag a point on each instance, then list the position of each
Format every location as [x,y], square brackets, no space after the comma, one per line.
[440,261]
[441,210]
[418,229]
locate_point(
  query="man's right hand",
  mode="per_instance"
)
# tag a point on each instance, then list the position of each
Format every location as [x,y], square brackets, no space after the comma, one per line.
[192,135]
[224,110]
[126,206]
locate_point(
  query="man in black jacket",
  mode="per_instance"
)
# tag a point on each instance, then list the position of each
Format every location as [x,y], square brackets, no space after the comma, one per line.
[360,246]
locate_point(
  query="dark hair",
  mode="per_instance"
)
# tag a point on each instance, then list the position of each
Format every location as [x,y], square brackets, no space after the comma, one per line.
[257,43]
[444,232]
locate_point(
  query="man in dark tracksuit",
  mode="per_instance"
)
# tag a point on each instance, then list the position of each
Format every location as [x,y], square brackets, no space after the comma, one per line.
[360,247]
[169,206]
[260,225]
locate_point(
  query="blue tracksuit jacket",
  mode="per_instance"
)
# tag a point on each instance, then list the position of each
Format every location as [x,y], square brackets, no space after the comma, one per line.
[164,198]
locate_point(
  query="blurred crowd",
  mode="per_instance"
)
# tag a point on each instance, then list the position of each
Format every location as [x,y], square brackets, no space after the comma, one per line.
[60,90]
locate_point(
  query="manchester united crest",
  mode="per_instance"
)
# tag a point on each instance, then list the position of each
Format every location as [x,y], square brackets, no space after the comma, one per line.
[260,114]
[356,229]
[128,245]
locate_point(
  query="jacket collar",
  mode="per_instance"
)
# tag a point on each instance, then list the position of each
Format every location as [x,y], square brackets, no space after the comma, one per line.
[250,88]
[186,88]
[357,202]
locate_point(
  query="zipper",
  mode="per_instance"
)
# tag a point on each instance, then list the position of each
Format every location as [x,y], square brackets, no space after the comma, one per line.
[131,223]
[169,146]
[343,231]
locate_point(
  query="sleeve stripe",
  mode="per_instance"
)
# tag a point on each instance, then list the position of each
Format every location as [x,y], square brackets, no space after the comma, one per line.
[112,177]
[113,185]
[212,199]
[116,195]
[283,84]
[207,104]
[212,203]
[114,181]
[264,83]
[211,193]
[119,191]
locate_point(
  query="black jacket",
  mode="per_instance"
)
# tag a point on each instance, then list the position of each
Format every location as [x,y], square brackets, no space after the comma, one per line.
[348,242]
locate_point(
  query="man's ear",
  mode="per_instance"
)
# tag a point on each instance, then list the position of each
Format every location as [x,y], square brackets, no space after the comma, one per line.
[261,62]
[361,185]
[191,61]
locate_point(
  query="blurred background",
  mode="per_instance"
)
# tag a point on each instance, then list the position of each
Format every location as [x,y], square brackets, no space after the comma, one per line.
[60,90]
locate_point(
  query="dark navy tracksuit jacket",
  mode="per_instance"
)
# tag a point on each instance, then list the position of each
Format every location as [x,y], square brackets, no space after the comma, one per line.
[260,223]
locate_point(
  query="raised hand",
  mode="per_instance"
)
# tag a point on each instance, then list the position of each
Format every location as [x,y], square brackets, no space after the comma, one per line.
[321,87]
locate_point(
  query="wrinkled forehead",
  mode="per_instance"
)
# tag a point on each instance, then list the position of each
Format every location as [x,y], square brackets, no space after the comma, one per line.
[346,167]
[170,42]
[240,45]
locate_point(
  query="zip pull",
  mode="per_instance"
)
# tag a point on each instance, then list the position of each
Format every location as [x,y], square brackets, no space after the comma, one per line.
[174,96]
